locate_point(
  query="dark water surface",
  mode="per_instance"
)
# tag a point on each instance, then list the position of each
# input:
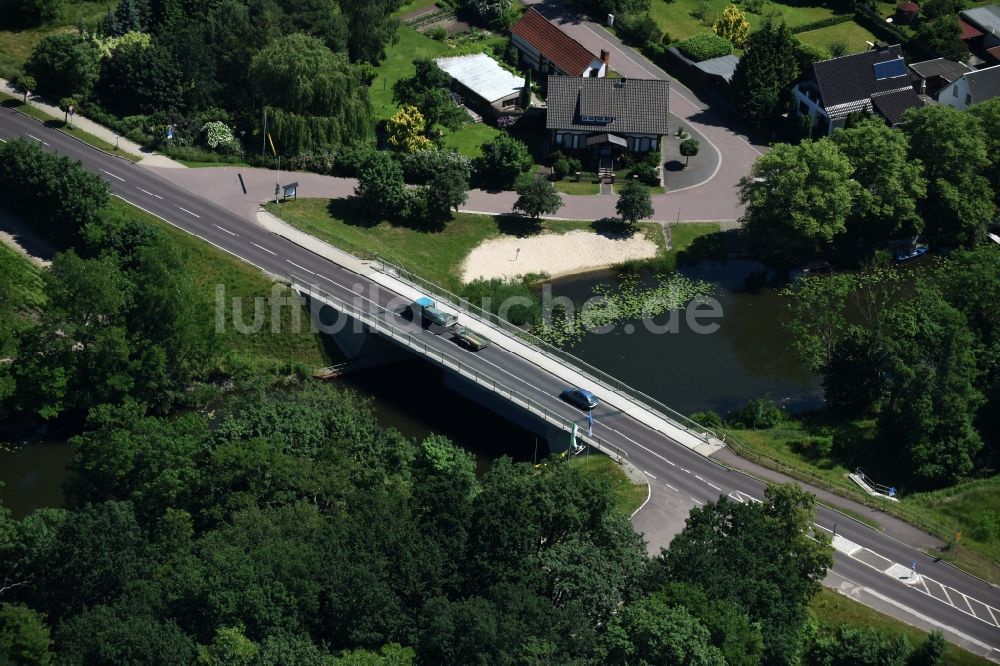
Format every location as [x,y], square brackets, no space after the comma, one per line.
[747,357]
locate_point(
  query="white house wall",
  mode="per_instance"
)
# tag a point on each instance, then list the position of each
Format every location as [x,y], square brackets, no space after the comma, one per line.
[955,94]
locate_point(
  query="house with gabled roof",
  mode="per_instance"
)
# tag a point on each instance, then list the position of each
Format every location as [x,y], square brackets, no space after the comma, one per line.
[972,88]
[547,49]
[875,81]
[607,116]
[930,76]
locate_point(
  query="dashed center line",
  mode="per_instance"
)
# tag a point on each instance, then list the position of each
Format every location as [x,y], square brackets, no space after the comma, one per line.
[189,212]
[696,501]
[708,483]
[648,474]
[114,176]
[671,487]
[265,249]
[38,140]
[149,193]
[224,229]
[301,267]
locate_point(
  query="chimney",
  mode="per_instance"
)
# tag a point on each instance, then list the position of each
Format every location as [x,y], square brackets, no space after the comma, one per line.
[604,56]
[881,46]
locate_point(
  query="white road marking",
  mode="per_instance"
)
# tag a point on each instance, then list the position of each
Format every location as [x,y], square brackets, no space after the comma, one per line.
[708,482]
[698,502]
[264,248]
[648,474]
[224,229]
[3,140]
[686,471]
[297,266]
[114,176]
[38,140]
[189,212]
[149,193]
[329,280]
[671,487]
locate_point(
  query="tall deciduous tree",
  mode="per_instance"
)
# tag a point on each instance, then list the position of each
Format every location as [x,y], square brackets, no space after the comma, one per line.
[762,557]
[952,147]
[891,183]
[634,203]
[300,75]
[537,196]
[371,26]
[988,114]
[765,73]
[649,631]
[64,65]
[928,418]
[798,199]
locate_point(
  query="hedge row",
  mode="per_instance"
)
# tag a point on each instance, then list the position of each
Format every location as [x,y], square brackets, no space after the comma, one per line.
[836,19]
[704,46]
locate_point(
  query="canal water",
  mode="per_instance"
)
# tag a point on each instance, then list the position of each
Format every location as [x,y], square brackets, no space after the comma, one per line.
[747,357]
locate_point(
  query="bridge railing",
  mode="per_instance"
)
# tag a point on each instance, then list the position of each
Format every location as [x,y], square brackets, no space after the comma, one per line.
[596,375]
[376,322]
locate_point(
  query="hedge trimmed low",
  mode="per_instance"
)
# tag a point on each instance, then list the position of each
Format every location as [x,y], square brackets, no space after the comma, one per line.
[836,19]
[704,46]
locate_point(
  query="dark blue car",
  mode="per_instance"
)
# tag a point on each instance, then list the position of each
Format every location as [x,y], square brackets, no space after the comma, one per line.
[579,397]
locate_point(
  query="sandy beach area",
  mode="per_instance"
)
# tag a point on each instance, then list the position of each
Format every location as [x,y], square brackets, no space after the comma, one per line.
[554,254]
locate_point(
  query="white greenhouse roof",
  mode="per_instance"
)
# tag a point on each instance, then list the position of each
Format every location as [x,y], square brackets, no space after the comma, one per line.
[482,75]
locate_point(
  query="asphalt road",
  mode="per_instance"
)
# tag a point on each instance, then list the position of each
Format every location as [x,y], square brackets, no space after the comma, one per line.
[967,608]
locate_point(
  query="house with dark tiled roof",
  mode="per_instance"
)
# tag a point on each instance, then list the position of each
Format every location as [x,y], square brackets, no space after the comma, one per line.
[547,49]
[930,76]
[972,88]
[980,30]
[875,81]
[607,116]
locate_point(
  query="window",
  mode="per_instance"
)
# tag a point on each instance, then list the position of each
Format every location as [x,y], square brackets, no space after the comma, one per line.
[559,138]
[954,91]
[508,103]
[643,144]
[968,100]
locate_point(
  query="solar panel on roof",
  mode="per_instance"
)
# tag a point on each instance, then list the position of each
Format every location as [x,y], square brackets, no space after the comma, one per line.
[889,69]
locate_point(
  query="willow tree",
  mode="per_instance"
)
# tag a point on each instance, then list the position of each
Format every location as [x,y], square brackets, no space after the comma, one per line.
[298,75]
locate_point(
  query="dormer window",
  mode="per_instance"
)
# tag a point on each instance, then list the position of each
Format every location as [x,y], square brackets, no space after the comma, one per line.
[596,119]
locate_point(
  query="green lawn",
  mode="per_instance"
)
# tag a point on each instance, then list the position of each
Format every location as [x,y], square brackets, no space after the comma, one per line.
[682,235]
[434,255]
[468,140]
[628,496]
[587,185]
[17,45]
[212,267]
[675,18]
[972,508]
[58,123]
[850,33]
[834,609]
[412,6]
[398,64]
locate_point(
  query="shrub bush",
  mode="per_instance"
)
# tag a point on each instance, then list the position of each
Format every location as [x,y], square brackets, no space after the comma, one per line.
[437,33]
[757,414]
[704,46]
[708,418]
[497,296]
[421,166]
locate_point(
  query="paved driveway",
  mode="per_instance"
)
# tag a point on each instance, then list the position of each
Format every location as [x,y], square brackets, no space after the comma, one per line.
[714,199]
